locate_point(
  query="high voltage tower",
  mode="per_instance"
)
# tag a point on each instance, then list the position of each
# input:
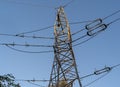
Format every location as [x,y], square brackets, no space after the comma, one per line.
[64,69]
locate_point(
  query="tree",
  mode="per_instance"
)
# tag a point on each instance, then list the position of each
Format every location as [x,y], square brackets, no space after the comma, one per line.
[8,81]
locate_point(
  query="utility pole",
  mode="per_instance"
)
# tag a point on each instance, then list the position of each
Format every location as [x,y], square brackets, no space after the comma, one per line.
[64,70]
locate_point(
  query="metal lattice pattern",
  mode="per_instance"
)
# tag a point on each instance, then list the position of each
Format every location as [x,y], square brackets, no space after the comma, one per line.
[64,70]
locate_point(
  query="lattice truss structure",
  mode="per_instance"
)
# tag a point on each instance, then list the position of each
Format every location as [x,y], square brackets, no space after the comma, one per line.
[64,70]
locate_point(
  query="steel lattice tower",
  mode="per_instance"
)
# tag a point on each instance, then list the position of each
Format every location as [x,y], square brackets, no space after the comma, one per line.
[64,70]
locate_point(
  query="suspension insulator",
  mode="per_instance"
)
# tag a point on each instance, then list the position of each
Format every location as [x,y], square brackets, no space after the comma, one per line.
[96,29]
[106,69]
[91,25]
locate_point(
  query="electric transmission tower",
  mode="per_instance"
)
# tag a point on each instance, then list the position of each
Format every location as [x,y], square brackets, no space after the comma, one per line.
[64,70]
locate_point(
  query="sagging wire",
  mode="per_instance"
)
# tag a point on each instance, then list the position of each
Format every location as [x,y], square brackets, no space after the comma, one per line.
[114,21]
[23,51]
[91,37]
[115,66]
[79,38]
[41,37]
[118,11]
[29,4]
[94,30]
[35,84]
[99,27]
[26,36]
[78,32]
[26,45]
[96,80]
[84,27]
[86,35]
[105,70]
[80,29]
[68,3]
[72,23]
[98,72]
[80,22]
[98,21]
[37,30]
[34,80]
[85,40]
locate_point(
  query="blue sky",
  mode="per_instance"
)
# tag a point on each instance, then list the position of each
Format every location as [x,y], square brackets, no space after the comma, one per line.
[17,16]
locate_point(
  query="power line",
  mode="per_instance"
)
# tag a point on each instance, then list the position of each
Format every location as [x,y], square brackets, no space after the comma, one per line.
[68,3]
[101,71]
[48,28]
[8,45]
[11,46]
[29,4]
[84,37]
[79,38]
[111,15]
[91,37]
[78,31]
[118,11]
[96,72]
[37,30]
[26,36]
[72,23]
[28,51]
[41,37]
[96,80]
[105,70]
[25,45]
[35,84]
[114,21]
[93,34]
[84,41]
[115,66]
[22,35]
[34,80]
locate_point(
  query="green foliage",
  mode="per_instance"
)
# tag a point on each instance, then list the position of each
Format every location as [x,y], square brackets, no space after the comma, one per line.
[8,81]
